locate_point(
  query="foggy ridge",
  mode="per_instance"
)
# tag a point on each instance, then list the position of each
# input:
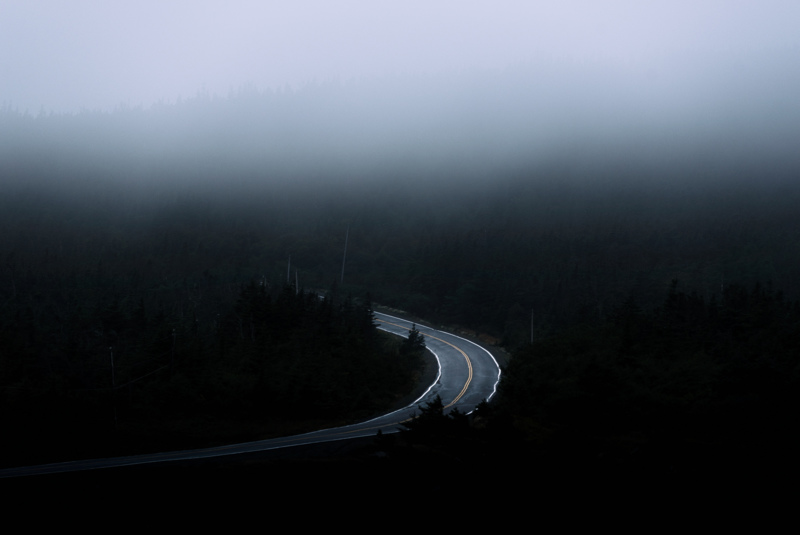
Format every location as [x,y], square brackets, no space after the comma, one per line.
[705,113]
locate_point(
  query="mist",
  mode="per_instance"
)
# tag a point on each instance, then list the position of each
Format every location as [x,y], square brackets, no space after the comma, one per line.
[272,93]
[675,135]
[539,146]
[711,111]
[608,191]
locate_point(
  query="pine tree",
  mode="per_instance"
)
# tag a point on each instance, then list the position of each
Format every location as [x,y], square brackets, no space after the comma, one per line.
[414,344]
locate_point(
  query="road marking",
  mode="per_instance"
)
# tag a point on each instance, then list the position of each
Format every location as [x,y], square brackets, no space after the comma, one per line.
[466,358]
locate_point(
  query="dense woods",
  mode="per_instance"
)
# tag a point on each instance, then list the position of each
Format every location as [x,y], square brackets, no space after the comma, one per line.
[145,283]
[119,379]
[691,384]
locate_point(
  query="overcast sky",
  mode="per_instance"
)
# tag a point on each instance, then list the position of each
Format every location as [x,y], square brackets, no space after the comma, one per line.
[65,55]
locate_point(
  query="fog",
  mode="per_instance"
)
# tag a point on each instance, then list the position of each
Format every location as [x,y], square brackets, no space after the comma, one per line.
[88,54]
[472,116]
[715,112]
[507,170]
[271,89]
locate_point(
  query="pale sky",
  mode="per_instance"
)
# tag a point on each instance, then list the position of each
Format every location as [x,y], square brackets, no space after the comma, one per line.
[67,55]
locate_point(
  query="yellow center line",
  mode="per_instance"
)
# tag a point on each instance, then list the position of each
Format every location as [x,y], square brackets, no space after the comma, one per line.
[466,358]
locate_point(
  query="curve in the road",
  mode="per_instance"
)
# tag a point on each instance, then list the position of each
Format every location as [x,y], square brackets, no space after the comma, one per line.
[488,371]
[466,359]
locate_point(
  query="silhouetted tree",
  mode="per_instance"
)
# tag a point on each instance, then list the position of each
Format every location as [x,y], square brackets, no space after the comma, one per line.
[414,344]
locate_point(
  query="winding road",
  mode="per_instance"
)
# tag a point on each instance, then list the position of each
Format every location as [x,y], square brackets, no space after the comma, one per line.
[467,375]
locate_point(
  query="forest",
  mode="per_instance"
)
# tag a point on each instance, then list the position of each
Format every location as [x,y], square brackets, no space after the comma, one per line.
[163,267]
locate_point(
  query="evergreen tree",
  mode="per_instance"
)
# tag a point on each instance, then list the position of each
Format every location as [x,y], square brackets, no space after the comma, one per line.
[414,344]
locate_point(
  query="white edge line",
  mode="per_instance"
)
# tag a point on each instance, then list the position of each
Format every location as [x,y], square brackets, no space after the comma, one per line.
[206,453]
[494,389]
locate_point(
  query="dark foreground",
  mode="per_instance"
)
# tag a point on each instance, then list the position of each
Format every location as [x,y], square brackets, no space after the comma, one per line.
[404,468]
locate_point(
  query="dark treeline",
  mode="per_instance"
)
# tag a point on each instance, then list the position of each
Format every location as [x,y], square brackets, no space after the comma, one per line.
[165,238]
[719,371]
[694,390]
[115,379]
[486,260]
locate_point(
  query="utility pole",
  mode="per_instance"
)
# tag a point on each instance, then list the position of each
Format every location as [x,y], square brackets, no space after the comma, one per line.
[344,257]
[113,378]
[531,326]
[113,385]
[289,269]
